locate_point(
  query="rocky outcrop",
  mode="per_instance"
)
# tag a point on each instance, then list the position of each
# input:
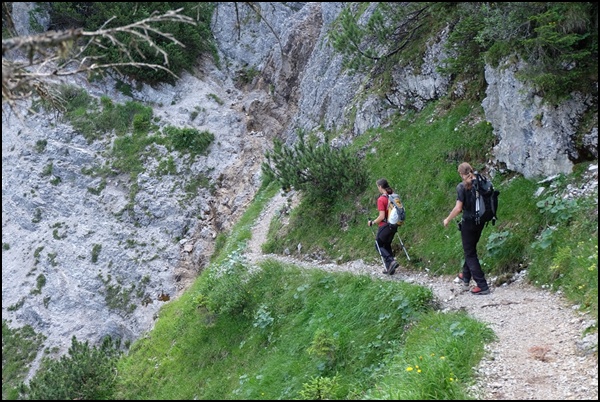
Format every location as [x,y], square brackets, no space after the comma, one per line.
[534,138]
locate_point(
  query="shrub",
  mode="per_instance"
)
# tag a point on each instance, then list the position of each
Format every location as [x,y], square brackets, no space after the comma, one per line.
[84,373]
[320,171]
[189,139]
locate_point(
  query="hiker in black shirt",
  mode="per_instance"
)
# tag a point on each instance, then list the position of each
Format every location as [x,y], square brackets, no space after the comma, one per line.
[470,232]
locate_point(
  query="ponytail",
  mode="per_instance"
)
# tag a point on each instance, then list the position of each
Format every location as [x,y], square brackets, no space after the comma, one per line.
[385,185]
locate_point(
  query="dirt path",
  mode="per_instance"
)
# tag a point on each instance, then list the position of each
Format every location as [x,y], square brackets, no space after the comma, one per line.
[540,352]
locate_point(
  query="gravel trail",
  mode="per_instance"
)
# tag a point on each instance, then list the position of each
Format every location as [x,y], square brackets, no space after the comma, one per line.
[541,352]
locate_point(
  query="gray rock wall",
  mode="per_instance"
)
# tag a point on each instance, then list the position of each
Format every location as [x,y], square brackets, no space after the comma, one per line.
[534,138]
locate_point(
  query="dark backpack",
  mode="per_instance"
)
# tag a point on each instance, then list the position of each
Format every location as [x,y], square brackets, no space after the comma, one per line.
[395,212]
[486,200]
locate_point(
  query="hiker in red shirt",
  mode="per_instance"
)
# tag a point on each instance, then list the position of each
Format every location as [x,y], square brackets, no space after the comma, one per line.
[386,231]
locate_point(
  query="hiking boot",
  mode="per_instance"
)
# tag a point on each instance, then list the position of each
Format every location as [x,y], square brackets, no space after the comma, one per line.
[393,268]
[464,284]
[478,291]
[459,278]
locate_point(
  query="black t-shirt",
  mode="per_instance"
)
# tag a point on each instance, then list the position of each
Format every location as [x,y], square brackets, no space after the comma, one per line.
[468,199]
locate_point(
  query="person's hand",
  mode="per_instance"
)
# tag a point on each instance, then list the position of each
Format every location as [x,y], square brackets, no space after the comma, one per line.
[445,223]
[369,222]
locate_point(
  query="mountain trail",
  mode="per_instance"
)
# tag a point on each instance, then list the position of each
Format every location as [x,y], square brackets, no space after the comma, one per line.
[541,351]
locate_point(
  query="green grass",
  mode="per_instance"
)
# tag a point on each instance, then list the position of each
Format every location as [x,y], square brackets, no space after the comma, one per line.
[322,325]
[280,332]
[418,155]
[434,363]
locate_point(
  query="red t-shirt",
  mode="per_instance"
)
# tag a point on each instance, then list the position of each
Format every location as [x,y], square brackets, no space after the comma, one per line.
[382,204]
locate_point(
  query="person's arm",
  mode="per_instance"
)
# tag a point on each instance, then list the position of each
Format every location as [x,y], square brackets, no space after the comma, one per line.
[381,208]
[379,218]
[454,213]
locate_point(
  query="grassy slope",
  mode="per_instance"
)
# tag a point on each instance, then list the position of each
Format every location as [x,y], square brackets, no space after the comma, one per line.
[284,333]
[273,333]
[419,156]
[292,334]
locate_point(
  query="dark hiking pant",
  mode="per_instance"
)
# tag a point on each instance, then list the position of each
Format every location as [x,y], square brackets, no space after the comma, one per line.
[470,234]
[384,238]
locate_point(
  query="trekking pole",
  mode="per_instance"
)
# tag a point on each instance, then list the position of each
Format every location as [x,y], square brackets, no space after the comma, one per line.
[378,249]
[403,248]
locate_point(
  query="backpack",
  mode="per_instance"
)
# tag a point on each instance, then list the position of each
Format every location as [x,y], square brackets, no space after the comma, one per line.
[395,211]
[486,199]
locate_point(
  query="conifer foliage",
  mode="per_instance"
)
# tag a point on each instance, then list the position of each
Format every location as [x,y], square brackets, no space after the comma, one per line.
[84,373]
[320,172]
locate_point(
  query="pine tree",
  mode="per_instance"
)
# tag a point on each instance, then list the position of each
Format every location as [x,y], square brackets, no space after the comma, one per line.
[321,172]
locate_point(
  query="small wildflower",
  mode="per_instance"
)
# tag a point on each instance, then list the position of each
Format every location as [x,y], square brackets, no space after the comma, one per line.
[451,379]
[419,370]
[433,354]
[442,357]
[409,368]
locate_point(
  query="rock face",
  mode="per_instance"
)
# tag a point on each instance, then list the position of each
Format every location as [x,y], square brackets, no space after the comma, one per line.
[106,262]
[80,258]
[533,138]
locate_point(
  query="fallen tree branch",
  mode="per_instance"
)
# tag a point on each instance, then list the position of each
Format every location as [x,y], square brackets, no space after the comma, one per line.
[30,63]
